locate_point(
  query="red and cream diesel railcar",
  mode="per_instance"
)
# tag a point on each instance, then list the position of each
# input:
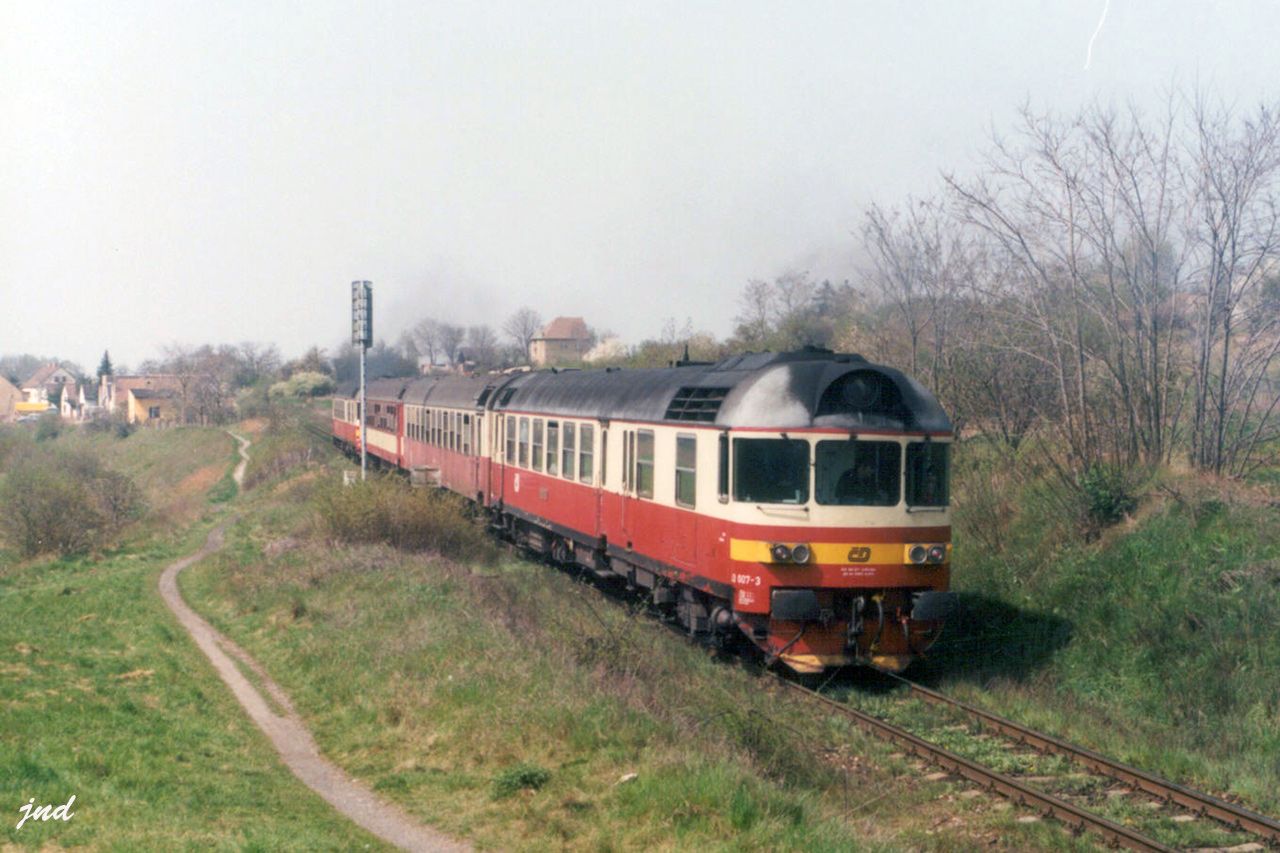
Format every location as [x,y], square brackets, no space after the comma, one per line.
[799,500]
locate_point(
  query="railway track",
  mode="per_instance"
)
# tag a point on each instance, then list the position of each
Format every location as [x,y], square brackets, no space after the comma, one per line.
[1075,817]
[1230,814]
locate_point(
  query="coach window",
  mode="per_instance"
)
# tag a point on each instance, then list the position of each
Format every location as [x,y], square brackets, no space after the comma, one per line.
[586,453]
[553,448]
[466,433]
[644,463]
[524,442]
[686,470]
[511,441]
[858,473]
[771,470]
[566,457]
[537,444]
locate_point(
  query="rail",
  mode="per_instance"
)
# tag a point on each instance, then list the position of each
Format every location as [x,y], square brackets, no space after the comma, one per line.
[1069,813]
[1230,814]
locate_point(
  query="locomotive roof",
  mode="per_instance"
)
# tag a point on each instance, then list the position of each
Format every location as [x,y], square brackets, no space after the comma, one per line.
[808,388]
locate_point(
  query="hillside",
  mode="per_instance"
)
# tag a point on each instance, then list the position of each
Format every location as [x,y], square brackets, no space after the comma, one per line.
[1158,643]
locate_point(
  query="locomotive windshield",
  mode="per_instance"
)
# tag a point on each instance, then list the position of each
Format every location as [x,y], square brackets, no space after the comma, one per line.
[928,467]
[771,470]
[858,473]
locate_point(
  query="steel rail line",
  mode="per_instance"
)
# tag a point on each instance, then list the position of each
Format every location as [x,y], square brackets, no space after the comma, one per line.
[1230,814]
[1070,814]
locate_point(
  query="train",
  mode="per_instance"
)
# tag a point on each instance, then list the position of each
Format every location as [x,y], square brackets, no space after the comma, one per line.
[797,501]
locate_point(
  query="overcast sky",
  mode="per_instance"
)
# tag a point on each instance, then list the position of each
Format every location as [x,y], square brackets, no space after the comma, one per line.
[217,172]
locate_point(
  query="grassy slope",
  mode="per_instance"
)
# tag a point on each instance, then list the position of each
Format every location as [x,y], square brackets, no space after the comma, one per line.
[1159,644]
[437,682]
[102,696]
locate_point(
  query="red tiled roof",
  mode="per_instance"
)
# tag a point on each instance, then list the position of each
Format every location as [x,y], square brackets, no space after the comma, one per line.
[565,329]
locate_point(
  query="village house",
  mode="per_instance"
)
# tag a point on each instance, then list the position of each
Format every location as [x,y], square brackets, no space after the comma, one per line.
[152,406]
[144,398]
[565,340]
[48,383]
[10,396]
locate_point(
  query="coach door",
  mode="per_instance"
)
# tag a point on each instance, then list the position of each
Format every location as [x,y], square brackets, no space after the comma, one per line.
[628,486]
[498,456]
[598,454]
[684,540]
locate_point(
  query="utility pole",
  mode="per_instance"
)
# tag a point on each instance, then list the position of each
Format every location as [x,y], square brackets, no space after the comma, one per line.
[362,337]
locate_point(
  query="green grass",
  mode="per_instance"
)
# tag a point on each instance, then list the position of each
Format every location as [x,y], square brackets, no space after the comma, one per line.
[505,703]
[103,696]
[1158,644]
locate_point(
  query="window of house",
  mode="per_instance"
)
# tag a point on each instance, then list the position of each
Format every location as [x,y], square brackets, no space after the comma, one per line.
[153,412]
[524,442]
[553,448]
[566,456]
[537,444]
[586,453]
[686,470]
[511,441]
[644,463]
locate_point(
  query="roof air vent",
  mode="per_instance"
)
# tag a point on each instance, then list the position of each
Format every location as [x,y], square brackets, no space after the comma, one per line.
[696,404]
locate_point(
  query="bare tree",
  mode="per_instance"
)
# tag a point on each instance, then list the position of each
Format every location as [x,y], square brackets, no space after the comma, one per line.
[450,341]
[1236,163]
[426,336]
[522,327]
[483,344]
[757,313]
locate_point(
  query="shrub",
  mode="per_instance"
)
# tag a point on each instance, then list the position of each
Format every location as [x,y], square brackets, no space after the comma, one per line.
[49,426]
[45,508]
[518,778]
[252,402]
[63,502]
[302,384]
[1108,495]
[386,509]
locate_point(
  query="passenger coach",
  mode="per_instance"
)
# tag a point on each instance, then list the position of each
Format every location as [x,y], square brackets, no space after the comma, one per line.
[799,500]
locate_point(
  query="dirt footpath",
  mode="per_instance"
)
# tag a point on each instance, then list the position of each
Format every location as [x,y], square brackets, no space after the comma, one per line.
[287,733]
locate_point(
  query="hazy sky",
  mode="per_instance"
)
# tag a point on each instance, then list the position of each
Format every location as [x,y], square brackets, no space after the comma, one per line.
[216,172]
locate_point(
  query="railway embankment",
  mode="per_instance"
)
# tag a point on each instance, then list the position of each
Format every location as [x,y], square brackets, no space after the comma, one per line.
[1154,640]
[102,698]
[500,699]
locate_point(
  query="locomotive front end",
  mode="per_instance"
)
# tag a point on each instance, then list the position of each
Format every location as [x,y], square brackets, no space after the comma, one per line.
[839,541]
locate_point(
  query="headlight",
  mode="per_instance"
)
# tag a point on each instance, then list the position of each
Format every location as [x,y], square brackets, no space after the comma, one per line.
[937,553]
[801,553]
[780,553]
[918,554]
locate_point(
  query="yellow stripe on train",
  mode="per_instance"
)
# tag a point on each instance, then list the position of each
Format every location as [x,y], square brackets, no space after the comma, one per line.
[756,551]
